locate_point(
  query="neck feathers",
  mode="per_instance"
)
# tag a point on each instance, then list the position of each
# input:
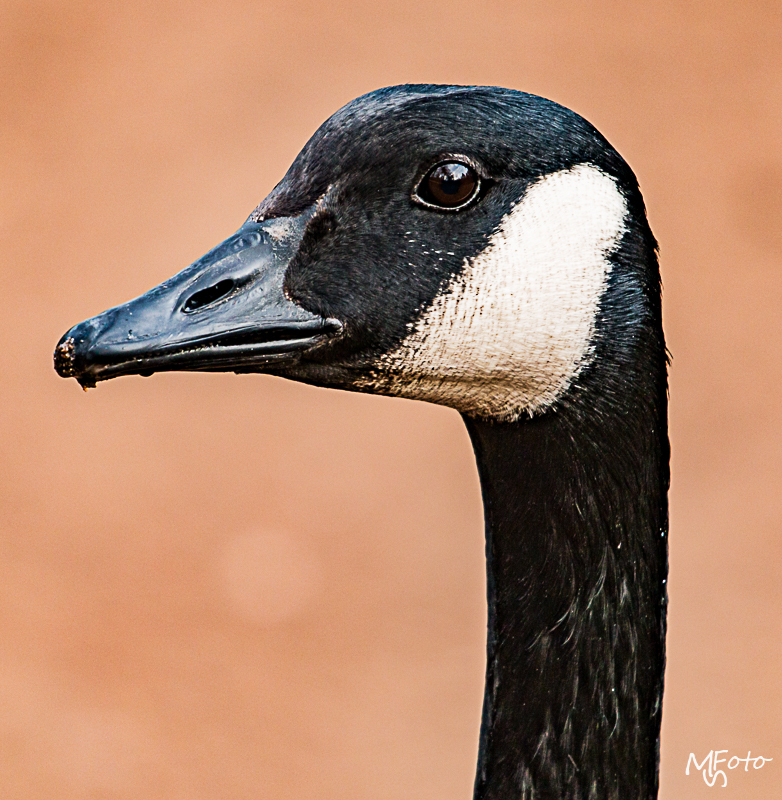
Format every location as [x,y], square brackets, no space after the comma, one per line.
[576,525]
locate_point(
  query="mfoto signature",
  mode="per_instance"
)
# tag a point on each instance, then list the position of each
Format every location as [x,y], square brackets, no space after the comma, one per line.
[710,766]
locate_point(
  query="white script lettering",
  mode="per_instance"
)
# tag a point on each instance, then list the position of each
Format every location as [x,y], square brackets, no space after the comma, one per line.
[709,766]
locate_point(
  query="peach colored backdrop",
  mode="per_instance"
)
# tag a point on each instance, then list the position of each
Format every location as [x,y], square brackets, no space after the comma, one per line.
[236,587]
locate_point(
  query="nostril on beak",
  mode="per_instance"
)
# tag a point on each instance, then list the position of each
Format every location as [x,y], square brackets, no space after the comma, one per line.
[207,296]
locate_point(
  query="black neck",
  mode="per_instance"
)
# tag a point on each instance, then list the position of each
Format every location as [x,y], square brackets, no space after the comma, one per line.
[576,545]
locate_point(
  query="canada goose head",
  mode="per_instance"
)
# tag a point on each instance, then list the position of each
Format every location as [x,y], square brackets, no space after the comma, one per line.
[451,244]
[487,250]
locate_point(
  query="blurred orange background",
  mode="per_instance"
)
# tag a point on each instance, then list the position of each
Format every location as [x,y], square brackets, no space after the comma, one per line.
[220,586]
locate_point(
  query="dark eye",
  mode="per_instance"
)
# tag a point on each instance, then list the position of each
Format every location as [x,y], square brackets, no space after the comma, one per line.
[449,186]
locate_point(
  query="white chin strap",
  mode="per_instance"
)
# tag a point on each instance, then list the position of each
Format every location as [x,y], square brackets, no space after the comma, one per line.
[513,329]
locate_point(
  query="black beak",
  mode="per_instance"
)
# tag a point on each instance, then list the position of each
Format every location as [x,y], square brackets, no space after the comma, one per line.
[226,312]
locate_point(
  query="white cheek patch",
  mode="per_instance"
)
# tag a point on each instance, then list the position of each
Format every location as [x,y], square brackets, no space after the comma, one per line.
[513,329]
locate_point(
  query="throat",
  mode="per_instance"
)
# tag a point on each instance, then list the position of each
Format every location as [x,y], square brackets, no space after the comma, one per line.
[576,546]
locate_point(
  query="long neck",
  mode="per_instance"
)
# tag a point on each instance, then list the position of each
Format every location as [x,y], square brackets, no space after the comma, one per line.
[576,544]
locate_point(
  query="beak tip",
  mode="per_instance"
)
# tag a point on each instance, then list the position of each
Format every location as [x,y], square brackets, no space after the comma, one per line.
[69,361]
[64,357]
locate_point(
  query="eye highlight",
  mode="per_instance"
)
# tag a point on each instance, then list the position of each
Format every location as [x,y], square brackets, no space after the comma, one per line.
[449,186]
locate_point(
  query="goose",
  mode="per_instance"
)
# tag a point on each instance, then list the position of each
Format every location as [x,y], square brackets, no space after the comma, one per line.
[487,250]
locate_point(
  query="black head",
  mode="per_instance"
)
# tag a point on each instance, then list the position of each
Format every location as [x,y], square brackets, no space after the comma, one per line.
[455,244]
